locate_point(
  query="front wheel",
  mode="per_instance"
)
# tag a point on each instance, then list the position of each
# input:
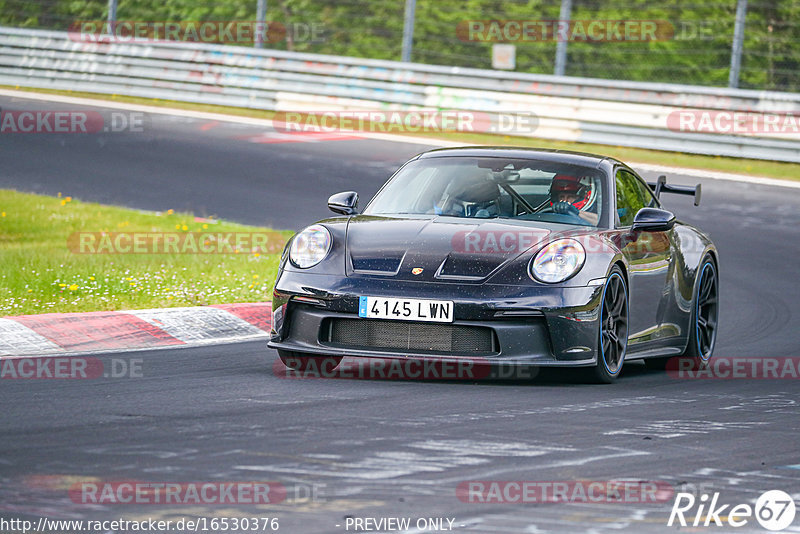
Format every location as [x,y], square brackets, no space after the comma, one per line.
[303,362]
[613,331]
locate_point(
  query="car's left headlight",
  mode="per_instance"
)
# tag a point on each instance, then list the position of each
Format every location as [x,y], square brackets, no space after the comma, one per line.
[558,261]
[310,246]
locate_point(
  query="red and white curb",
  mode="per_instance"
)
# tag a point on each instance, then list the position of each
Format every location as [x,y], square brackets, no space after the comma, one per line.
[73,333]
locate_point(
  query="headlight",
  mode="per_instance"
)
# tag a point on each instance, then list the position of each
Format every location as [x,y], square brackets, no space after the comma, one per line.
[310,246]
[558,261]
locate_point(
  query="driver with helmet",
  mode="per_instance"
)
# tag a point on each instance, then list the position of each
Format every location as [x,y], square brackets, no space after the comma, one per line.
[569,197]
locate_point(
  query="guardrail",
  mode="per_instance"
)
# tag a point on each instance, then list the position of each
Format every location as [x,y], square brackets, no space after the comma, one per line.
[568,109]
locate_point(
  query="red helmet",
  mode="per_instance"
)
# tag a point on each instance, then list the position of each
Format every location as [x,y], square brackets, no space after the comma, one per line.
[564,183]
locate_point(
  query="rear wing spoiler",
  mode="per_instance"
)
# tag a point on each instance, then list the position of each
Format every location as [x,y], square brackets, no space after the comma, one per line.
[662,185]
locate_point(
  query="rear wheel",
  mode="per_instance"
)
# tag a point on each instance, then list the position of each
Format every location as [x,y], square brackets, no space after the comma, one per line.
[705,314]
[613,332]
[304,362]
[703,323]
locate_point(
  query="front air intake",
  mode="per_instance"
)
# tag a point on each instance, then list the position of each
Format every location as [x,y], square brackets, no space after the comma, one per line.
[399,336]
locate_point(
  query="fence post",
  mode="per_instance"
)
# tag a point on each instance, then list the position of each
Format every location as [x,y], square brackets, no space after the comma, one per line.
[261,18]
[112,16]
[408,30]
[561,44]
[738,39]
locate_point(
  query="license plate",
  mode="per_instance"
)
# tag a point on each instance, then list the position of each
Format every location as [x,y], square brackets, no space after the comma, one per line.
[436,311]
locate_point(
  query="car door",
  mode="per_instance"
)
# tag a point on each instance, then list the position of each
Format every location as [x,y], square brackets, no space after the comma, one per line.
[649,256]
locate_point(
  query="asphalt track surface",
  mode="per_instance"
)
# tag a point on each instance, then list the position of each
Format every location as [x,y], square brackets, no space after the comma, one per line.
[391,448]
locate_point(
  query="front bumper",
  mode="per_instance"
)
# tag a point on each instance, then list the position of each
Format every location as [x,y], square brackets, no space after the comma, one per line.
[547,326]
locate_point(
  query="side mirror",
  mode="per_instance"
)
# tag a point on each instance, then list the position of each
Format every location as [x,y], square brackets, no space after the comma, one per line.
[653,220]
[345,203]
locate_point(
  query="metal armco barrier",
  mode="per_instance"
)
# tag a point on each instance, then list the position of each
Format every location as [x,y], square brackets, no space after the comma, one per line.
[584,110]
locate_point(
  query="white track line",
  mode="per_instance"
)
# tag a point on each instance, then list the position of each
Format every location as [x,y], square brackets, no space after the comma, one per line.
[717,175]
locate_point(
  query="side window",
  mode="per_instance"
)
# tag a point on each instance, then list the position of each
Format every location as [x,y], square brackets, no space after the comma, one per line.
[632,195]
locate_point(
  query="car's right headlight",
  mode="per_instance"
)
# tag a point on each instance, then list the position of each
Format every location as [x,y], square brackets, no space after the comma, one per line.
[558,261]
[310,246]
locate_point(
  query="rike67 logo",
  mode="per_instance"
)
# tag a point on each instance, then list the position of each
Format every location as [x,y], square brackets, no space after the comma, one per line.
[774,510]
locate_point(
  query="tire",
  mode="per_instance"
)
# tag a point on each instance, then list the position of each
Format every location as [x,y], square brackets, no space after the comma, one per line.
[705,314]
[612,334]
[304,362]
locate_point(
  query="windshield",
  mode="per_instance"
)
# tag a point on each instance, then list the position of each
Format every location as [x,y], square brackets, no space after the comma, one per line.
[484,188]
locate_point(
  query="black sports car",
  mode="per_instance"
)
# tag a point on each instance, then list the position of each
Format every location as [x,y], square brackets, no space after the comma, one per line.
[507,255]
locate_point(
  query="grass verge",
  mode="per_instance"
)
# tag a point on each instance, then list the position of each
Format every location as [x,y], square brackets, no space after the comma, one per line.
[769,169]
[44,267]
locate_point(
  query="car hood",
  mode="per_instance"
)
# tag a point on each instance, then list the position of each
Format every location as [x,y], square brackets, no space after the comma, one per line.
[441,249]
